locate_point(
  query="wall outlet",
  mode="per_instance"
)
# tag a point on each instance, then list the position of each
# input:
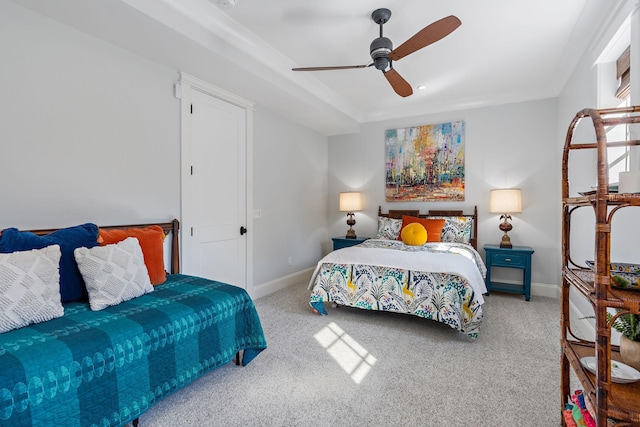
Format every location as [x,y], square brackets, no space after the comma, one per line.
[290,260]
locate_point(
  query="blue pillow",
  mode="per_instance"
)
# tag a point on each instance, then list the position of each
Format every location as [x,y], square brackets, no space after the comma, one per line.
[86,235]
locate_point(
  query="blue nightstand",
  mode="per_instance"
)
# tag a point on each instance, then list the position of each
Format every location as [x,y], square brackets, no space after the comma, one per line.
[516,257]
[341,242]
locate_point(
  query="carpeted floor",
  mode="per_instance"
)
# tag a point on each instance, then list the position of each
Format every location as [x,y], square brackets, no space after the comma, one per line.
[359,368]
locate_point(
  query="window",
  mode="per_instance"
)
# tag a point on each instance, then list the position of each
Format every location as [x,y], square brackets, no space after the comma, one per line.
[623,74]
[619,156]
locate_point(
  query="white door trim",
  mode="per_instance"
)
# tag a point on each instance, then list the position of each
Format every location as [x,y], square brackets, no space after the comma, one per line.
[183,89]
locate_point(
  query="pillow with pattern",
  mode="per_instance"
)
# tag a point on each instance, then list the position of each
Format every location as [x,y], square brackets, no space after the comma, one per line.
[113,273]
[30,287]
[457,229]
[388,228]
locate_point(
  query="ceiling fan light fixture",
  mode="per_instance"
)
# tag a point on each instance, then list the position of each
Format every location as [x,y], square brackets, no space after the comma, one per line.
[382,63]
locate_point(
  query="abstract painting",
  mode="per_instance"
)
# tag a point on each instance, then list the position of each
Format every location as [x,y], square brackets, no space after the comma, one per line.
[425,163]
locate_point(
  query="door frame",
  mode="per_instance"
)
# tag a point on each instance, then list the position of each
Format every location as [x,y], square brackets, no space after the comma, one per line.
[183,88]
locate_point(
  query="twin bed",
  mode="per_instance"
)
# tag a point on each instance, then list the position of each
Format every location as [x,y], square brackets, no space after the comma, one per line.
[108,367]
[442,280]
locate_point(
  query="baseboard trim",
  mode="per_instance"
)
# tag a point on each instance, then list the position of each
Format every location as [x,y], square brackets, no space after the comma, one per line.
[272,286]
[545,290]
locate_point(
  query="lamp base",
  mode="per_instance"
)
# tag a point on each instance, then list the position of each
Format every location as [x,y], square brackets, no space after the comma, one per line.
[351,233]
[506,242]
[505,227]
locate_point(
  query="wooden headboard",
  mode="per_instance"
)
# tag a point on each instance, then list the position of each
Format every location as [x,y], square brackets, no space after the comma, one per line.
[168,227]
[397,214]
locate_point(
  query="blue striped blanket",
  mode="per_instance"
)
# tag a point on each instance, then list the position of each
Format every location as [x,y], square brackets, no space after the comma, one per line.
[106,368]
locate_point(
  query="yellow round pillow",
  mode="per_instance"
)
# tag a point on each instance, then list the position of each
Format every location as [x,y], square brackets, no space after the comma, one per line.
[414,234]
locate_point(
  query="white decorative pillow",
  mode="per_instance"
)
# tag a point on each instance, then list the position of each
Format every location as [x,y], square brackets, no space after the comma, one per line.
[113,273]
[29,287]
[388,228]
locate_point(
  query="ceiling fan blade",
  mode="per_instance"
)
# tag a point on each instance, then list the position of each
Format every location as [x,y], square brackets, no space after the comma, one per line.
[399,85]
[340,67]
[429,34]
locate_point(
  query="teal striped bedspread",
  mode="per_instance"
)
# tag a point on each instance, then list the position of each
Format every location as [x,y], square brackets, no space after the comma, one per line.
[106,368]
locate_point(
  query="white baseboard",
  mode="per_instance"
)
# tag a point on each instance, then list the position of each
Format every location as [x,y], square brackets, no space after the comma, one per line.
[545,290]
[272,286]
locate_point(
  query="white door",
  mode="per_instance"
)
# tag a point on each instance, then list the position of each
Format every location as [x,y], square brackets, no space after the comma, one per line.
[214,191]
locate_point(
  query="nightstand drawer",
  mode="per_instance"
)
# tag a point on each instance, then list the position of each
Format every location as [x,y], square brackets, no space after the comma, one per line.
[508,260]
[341,242]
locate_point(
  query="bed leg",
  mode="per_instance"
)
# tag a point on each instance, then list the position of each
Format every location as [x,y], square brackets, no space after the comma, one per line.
[238,358]
[135,422]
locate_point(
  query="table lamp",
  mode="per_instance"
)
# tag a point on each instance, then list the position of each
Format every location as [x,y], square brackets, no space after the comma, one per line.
[350,202]
[505,201]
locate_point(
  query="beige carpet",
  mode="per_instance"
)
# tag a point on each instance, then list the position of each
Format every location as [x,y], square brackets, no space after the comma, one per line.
[359,368]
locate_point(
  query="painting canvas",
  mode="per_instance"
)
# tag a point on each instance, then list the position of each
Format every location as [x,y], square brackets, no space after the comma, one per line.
[425,163]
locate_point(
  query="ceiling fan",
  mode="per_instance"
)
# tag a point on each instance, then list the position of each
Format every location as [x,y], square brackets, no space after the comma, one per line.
[383,54]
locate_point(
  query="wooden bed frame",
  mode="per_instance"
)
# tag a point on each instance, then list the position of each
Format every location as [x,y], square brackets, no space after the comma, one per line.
[168,227]
[397,214]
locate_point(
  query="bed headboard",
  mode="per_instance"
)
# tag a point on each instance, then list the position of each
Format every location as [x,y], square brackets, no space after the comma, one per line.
[168,227]
[397,214]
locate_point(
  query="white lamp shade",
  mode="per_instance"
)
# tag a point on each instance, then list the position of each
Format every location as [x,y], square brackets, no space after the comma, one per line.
[350,202]
[505,200]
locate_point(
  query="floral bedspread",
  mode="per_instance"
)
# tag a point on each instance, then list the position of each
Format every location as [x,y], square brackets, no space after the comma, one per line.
[437,281]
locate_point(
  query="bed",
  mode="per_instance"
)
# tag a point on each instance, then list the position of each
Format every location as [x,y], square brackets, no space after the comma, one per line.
[107,367]
[442,280]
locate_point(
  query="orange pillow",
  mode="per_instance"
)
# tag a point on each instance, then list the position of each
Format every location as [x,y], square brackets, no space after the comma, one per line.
[433,226]
[152,243]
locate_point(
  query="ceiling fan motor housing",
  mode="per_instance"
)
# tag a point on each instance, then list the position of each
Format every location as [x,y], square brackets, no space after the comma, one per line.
[379,50]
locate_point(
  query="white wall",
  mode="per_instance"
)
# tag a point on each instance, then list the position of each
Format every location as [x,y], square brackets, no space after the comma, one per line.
[290,188]
[90,132]
[511,145]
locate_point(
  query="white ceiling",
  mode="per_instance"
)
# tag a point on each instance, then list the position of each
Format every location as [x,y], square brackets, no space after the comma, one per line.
[505,51]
